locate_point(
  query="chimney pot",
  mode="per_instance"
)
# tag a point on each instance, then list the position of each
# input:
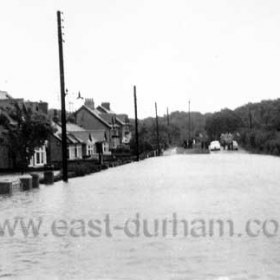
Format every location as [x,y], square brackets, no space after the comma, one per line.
[106,105]
[89,102]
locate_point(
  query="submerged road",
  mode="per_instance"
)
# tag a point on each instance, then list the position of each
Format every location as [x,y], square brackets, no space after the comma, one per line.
[150,220]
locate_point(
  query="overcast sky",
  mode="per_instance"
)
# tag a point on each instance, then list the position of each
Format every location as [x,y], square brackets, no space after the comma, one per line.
[216,53]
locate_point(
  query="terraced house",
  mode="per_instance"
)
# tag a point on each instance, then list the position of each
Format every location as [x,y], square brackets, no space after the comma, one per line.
[116,126]
[94,131]
[81,143]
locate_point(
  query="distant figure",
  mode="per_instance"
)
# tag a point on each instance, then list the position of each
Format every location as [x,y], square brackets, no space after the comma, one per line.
[202,145]
[190,144]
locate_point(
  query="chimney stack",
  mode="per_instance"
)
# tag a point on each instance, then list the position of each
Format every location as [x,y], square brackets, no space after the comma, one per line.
[106,105]
[55,116]
[89,102]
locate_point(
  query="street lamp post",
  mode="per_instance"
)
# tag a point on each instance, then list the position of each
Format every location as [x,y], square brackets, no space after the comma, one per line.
[189,120]
[157,128]
[136,124]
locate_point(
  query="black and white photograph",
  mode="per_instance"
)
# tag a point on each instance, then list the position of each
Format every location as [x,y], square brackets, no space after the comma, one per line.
[140,139]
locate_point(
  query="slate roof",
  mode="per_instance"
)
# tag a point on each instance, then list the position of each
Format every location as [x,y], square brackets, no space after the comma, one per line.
[92,135]
[107,117]
[58,134]
[122,119]
[79,135]
[105,110]
[74,127]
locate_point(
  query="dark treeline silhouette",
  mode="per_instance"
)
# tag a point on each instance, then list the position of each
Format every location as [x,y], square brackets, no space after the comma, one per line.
[172,134]
[221,122]
[256,126]
[260,129]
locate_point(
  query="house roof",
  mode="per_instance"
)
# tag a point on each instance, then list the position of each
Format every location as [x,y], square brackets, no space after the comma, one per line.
[96,114]
[99,135]
[79,135]
[58,134]
[120,118]
[107,117]
[93,136]
[123,118]
[74,127]
[105,110]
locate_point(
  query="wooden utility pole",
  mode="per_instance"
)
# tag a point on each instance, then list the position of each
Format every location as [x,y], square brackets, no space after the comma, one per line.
[62,93]
[136,124]
[250,119]
[168,128]
[158,146]
[189,120]
[167,116]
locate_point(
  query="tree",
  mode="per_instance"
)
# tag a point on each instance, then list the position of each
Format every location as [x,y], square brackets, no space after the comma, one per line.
[222,122]
[24,131]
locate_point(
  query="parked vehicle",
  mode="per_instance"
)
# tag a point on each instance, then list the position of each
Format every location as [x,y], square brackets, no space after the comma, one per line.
[215,146]
[234,145]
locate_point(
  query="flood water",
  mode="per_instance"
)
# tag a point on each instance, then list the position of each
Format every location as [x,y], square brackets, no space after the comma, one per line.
[222,185]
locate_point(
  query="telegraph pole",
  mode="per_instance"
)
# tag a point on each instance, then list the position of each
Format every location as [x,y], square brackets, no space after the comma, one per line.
[189,120]
[167,116]
[168,128]
[250,119]
[158,146]
[136,124]
[62,92]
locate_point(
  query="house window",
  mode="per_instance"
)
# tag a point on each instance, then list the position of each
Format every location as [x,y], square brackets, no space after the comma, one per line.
[90,149]
[115,142]
[71,152]
[105,147]
[78,151]
[39,158]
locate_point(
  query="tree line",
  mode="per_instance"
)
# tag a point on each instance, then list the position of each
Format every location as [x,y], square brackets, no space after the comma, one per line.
[256,126]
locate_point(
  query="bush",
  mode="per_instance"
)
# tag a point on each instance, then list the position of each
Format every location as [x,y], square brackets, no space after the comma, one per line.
[261,140]
[82,168]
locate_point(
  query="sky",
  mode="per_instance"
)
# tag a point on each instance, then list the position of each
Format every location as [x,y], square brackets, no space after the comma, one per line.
[217,54]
